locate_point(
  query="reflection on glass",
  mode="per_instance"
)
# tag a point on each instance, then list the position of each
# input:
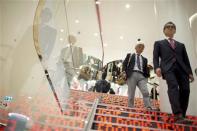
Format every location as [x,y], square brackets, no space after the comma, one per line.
[64,63]
[67,63]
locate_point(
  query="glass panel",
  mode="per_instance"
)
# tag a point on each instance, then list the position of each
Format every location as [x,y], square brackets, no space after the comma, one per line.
[44,60]
[68,44]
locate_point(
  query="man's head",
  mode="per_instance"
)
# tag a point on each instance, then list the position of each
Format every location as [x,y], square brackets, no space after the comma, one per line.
[139,48]
[169,29]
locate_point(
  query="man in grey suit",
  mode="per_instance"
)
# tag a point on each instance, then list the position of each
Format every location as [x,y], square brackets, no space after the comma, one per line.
[172,63]
[137,73]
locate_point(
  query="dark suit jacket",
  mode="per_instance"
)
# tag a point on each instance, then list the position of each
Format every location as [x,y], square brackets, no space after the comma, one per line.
[129,69]
[163,51]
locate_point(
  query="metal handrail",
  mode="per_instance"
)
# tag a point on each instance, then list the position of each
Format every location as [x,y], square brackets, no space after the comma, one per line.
[90,117]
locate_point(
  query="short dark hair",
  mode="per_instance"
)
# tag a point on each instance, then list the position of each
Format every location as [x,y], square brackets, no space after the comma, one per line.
[169,23]
[102,86]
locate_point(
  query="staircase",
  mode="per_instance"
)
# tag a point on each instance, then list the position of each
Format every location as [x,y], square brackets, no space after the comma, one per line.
[85,111]
[111,117]
[112,114]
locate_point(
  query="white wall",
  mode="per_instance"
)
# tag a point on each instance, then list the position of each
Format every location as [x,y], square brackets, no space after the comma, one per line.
[193,21]
[192,51]
[16,24]
[1,58]
[178,12]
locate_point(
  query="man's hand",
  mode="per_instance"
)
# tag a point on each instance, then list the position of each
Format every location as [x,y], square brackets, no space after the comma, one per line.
[191,78]
[158,72]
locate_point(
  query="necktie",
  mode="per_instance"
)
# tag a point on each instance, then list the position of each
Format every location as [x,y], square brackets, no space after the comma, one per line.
[172,44]
[138,62]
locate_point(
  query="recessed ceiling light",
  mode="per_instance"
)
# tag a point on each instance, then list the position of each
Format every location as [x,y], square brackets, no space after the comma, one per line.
[61,39]
[68,45]
[95,34]
[61,30]
[76,21]
[127,6]
[121,37]
[98,2]
[105,44]
[29,97]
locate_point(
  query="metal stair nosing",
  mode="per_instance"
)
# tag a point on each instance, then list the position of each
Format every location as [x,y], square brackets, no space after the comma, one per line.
[91,115]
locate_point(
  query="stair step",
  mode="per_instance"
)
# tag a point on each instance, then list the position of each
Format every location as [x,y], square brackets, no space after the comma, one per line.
[126,122]
[140,110]
[134,115]
[38,126]
[108,126]
[155,117]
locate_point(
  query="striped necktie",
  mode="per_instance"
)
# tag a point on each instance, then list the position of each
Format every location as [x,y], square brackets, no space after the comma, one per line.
[172,43]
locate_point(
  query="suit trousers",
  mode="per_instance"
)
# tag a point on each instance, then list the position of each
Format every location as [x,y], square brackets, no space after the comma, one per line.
[178,89]
[138,79]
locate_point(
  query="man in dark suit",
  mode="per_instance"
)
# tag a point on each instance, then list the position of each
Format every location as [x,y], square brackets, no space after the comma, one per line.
[135,67]
[172,63]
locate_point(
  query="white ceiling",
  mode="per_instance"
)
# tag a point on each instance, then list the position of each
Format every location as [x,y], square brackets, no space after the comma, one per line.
[144,19]
[141,20]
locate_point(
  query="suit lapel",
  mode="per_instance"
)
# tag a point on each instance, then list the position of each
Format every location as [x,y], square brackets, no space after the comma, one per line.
[176,44]
[133,58]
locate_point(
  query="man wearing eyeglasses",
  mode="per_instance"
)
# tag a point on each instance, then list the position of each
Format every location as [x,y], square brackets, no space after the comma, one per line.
[172,63]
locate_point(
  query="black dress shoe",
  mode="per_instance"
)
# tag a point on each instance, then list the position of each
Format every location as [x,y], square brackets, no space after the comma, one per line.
[178,118]
[184,121]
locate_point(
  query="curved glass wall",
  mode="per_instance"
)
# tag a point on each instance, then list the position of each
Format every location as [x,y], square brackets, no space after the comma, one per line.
[60,39]
[44,53]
